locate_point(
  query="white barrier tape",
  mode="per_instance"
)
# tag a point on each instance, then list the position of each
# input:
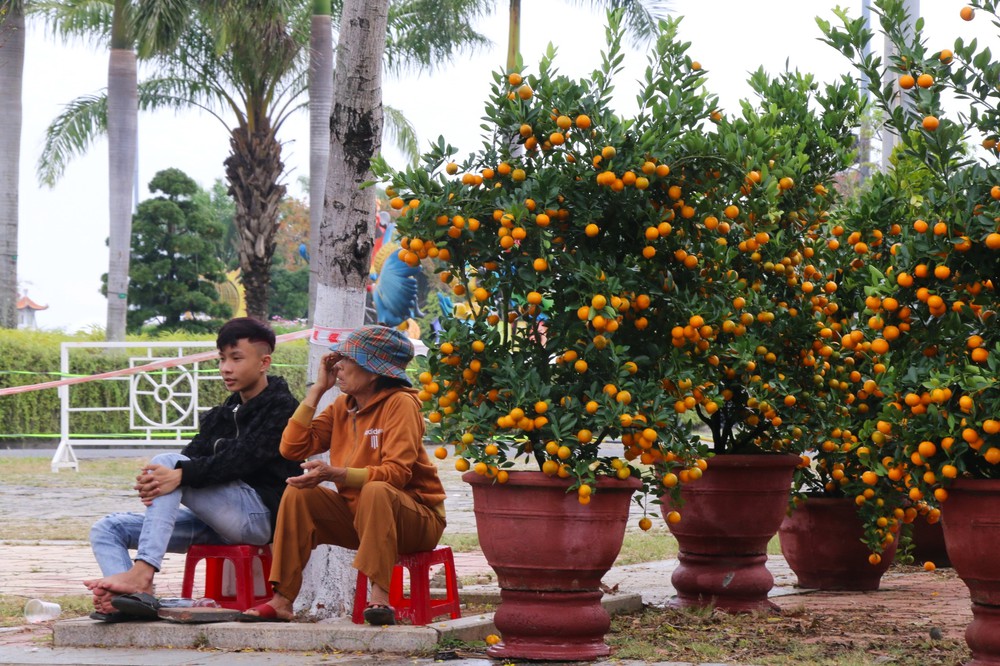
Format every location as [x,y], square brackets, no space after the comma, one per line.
[156,365]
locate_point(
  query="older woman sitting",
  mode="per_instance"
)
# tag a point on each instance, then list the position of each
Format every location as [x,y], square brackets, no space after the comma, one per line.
[389,499]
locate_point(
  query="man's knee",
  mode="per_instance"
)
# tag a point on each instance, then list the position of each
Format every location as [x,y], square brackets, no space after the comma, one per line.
[107,527]
[168,460]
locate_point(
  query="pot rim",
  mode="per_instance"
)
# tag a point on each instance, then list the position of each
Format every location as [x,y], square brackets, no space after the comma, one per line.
[973,485]
[540,479]
[730,460]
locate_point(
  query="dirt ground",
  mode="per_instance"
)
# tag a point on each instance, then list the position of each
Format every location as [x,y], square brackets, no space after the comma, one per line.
[916,618]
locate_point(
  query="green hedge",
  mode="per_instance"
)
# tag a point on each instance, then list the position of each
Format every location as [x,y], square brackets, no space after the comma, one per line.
[32,357]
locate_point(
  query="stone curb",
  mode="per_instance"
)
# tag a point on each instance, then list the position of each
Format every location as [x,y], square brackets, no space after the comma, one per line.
[340,634]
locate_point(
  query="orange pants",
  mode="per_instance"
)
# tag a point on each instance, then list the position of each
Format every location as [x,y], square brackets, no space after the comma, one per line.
[386,522]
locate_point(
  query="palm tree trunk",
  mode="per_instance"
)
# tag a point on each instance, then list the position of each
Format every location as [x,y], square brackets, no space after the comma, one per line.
[514,35]
[123,124]
[254,169]
[346,234]
[11,78]
[320,100]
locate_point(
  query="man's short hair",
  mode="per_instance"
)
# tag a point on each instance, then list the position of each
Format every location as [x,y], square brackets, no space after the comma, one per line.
[245,328]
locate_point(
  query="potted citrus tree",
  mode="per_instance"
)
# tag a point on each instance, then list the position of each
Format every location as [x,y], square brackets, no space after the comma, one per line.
[845,519]
[629,297]
[944,440]
[548,373]
[757,369]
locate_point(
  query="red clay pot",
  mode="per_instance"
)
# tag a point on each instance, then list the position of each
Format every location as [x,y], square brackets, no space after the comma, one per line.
[728,518]
[971,519]
[550,553]
[821,541]
[928,543]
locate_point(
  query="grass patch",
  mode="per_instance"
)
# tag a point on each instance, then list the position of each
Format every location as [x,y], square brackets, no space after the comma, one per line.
[73,605]
[105,473]
[59,529]
[656,544]
[834,637]
[461,542]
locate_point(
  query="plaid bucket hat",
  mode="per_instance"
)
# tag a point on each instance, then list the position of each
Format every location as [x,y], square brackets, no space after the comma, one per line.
[378,349]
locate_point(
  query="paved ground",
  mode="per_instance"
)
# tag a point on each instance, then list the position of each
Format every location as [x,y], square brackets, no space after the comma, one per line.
[53,568]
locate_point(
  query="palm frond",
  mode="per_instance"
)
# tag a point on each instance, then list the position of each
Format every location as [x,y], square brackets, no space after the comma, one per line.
[425,33]
[401,133]
[70,134]
[89,20]
[641,17]
[170,92]
[158,24]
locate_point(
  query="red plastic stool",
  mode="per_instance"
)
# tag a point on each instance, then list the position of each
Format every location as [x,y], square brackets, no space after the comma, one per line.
[418,608]
[242,557]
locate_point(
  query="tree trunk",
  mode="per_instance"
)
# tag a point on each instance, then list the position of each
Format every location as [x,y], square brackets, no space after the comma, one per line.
[320,100]
[123,112]
[253,170]
[346,235]
[513,35]
[11,79]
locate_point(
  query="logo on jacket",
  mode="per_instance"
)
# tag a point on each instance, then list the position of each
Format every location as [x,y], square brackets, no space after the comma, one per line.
[374,433]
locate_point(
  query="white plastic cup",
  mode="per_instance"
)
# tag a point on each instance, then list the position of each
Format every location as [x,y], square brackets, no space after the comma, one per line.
[36,611]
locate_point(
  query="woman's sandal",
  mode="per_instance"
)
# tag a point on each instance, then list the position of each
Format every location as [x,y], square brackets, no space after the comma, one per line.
[380,614]
[264,613]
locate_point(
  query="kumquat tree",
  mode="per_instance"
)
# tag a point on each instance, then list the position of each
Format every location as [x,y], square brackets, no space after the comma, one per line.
[930,317]
[632,279]
[859,246]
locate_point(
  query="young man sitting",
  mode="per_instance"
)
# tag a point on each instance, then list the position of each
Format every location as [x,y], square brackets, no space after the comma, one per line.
[223,487]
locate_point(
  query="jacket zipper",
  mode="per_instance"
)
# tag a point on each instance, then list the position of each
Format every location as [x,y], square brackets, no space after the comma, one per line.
[215,444]
[354,427]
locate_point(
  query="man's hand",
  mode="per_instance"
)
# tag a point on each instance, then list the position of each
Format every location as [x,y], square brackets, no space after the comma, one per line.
[156,480]
[316,472]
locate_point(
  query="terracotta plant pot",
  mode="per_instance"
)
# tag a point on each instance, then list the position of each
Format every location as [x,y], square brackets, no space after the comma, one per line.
[550,553]
[728,518]
[821,541]
[928,543]
[971,519]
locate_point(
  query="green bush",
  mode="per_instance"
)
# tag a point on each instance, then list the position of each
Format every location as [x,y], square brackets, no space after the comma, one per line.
[32,357]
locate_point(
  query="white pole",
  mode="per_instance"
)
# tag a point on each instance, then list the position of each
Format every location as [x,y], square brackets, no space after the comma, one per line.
[889,140]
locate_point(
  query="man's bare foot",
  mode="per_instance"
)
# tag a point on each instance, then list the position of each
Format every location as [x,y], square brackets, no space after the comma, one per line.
[137,579]
[282,608]
[102,600]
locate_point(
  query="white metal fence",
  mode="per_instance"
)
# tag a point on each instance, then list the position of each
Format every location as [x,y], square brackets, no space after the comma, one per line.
[162,401]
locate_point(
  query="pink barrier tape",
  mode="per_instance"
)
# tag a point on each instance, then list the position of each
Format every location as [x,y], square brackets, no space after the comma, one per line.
[156,365]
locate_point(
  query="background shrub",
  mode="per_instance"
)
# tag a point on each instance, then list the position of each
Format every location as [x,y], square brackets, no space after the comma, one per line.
[32,357]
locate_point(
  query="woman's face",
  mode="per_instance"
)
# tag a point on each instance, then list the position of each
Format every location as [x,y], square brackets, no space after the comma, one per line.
[354,380]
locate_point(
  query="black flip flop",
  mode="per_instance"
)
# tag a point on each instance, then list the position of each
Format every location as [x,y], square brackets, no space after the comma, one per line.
[380,615]
[113,617]
[139,605]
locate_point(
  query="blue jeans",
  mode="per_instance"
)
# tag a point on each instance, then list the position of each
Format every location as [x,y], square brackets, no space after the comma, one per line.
[227,513]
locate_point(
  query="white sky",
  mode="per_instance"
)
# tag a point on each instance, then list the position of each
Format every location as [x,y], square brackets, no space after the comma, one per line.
[62,251]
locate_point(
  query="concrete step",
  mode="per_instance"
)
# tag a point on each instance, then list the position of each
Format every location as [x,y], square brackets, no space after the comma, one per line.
[336,634]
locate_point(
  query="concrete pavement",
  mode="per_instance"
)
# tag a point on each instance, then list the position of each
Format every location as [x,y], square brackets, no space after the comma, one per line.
[46,569]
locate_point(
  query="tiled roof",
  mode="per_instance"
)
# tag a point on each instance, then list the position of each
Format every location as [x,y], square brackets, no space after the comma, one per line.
[24,303]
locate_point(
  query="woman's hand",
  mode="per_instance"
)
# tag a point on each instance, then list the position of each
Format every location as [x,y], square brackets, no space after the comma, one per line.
[327,374]
[316,472]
